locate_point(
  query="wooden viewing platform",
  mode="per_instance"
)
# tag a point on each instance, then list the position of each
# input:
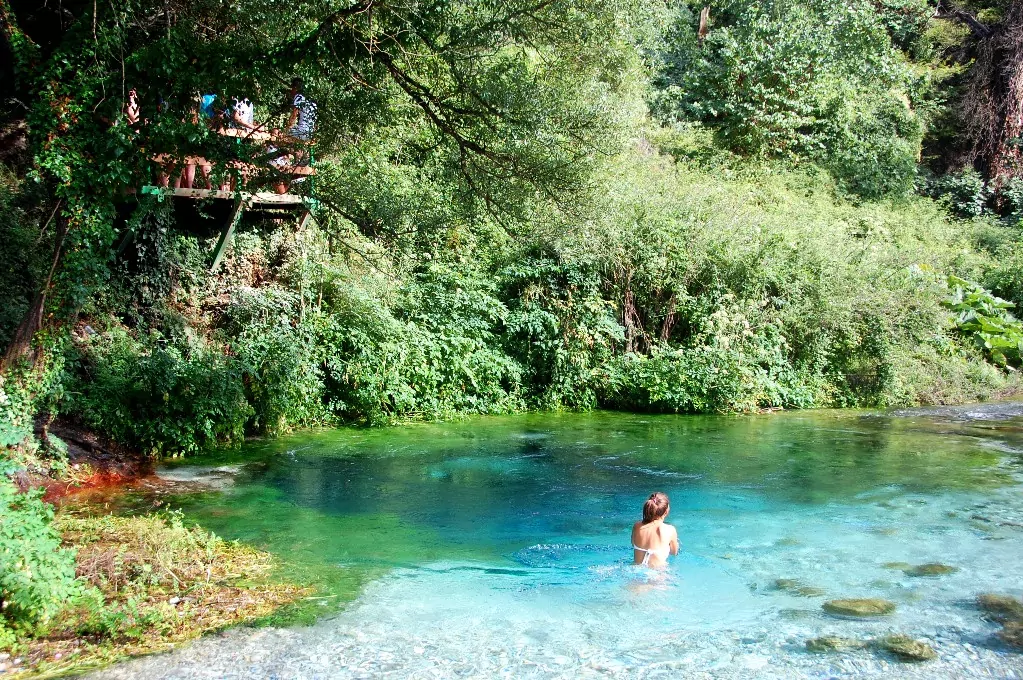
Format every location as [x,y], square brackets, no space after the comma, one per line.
[294,170]
[254,135]
[243,200]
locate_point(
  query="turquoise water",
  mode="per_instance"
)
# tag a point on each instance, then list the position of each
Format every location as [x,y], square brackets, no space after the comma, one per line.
[499,546]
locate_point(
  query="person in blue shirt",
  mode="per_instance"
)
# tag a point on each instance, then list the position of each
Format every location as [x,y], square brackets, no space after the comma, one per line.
[206,103]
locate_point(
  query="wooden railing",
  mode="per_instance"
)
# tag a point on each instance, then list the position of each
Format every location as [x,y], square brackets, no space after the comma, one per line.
[188,171]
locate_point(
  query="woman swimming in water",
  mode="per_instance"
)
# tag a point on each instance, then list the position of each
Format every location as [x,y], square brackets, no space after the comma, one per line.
[652,539]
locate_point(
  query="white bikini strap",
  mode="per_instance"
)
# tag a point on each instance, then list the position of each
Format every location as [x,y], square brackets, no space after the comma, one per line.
[646,554]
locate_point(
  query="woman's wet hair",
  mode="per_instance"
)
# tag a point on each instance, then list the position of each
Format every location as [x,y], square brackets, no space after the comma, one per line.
[655,507]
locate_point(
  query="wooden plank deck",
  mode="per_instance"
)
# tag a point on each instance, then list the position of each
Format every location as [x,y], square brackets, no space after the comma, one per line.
[261,135]
[248,199]
[240,133]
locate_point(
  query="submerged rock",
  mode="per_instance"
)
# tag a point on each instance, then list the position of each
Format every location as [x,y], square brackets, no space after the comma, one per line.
[798,614]
[200,475]
[1008,611]
[931,569]
[794,587]
[900,566]
[833,643]
[906,648]
[1012,633]
[1002,606]
[863,607]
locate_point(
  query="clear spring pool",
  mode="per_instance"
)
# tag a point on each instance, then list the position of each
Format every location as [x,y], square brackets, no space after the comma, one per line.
[499,547]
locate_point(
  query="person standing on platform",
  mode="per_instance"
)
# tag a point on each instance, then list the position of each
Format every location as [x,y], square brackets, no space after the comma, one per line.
[302,121]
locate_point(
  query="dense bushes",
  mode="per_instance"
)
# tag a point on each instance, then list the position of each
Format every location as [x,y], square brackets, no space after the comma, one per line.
[278,359]
[986,319]
[433,352]
[37,576]
[683,286]
[157,397]
[560,328]
[725,227]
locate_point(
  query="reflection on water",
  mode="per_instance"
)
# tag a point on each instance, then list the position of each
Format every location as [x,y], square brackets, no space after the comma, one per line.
[500,546]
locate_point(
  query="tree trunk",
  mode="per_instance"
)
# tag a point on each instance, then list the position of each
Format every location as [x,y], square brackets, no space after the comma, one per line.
[20,347]
[992,104]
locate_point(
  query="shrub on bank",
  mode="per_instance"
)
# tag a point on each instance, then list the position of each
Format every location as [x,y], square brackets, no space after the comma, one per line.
[37,575]
[699,285]
[432,351]
[278,359]
[143,583]
[159,398]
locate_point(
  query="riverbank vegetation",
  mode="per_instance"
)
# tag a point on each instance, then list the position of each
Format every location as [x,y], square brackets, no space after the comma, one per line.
[621,204]
[131,585]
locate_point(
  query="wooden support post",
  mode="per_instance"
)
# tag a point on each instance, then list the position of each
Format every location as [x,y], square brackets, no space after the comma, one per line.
[129,236]
[302,222]
[225,237]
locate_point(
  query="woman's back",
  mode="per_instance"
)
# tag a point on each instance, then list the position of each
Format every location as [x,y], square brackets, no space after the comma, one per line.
[652,539]
[653,542]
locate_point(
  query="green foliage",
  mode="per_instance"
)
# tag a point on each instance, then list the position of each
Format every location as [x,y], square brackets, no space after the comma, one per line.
[704,379]
[281,373]
[37,575]
[17,409]
[7,637]
[679,287]
[501,226]
[811,80]
[22,248]
[986,319]
[907,22]
[560,328]
[965,194]
[145,581]
[151,260]
[434,353]
[814,301]
[1012,195]
[159,398]
[25,392]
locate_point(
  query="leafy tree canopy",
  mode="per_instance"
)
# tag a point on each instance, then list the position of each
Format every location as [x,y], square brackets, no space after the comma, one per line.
[814,80]
[516,92]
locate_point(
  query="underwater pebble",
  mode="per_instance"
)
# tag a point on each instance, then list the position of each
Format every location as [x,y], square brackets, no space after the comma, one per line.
[754,662]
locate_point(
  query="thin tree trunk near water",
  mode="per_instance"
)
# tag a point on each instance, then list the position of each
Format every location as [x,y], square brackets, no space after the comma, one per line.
[20,346]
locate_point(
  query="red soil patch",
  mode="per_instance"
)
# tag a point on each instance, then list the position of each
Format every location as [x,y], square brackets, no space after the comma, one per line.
[95,463]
